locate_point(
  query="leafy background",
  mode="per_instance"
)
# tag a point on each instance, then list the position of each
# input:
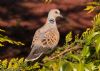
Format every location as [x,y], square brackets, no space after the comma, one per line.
[79,52]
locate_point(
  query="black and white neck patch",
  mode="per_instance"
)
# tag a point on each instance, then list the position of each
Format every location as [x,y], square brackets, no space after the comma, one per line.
[52,21]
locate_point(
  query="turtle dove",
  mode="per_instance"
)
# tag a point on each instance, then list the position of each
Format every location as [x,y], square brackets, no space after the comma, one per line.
[45,38]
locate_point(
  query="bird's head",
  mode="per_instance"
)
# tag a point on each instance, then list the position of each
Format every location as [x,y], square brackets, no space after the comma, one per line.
[54,13]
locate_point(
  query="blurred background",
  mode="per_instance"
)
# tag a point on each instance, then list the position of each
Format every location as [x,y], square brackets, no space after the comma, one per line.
[21,18]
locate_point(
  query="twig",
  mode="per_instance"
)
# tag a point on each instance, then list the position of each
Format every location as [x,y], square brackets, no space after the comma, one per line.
[68,49]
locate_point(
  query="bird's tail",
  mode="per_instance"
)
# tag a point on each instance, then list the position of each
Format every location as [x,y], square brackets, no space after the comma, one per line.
[33,56]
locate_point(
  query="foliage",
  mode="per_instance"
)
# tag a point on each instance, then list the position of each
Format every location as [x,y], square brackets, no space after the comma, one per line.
[16,64]
[91,6]
[81,55]
[7,39]
[96,22]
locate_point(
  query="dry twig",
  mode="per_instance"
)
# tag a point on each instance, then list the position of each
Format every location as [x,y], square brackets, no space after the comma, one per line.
[68,49]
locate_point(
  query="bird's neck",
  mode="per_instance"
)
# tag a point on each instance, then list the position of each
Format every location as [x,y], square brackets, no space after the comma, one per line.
[51,20]
[51,23]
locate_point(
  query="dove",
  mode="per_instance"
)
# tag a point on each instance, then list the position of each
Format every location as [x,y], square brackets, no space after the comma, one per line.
[45,38]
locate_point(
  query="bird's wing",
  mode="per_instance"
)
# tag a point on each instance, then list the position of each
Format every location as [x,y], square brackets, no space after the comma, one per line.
[38,36]
[48,38]
[51,38]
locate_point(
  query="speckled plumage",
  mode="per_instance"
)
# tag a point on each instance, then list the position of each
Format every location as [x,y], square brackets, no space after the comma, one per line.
[45,38]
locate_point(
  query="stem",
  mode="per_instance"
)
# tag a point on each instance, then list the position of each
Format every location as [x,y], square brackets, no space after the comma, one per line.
[68,49]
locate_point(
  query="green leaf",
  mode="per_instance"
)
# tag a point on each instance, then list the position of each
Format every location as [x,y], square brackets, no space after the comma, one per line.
[4,63]
[89,8]
[96,22]
[1,45]
[90,66]
[74,57]
[85,51]
[65,66]
[68,37]
[7,39]
[97,42]
[2,30]
[80,67]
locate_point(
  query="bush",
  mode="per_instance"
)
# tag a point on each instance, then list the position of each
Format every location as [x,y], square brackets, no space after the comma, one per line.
[4,38]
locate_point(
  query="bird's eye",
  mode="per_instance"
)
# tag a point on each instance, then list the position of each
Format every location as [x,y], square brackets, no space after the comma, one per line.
[56,12]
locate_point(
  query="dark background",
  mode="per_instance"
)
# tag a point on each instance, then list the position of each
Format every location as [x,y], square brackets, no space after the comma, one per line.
[21,18]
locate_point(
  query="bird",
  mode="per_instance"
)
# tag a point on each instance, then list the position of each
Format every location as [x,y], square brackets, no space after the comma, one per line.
[46,38]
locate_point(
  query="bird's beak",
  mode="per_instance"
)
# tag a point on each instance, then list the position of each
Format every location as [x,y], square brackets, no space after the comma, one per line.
[60,16]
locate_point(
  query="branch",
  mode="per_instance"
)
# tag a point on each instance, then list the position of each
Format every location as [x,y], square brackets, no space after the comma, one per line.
[68,49]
